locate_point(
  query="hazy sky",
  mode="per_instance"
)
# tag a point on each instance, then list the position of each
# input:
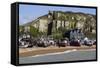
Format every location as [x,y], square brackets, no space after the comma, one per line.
[28,13]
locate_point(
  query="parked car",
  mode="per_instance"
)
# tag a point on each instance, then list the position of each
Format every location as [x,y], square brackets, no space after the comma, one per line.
[25,42]
[88,43]
[75,43]
[81,42]
[62,43]
[94,43]
[42,42]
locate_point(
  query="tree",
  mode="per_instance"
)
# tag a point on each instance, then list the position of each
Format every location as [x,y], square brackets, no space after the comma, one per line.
[34,31]
[62,18]
[72,21]
[21,30]
[89,25]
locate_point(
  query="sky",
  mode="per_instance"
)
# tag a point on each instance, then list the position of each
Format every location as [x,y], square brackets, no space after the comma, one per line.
[28,13]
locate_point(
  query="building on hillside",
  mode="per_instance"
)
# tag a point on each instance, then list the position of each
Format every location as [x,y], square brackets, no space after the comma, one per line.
[43,23]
